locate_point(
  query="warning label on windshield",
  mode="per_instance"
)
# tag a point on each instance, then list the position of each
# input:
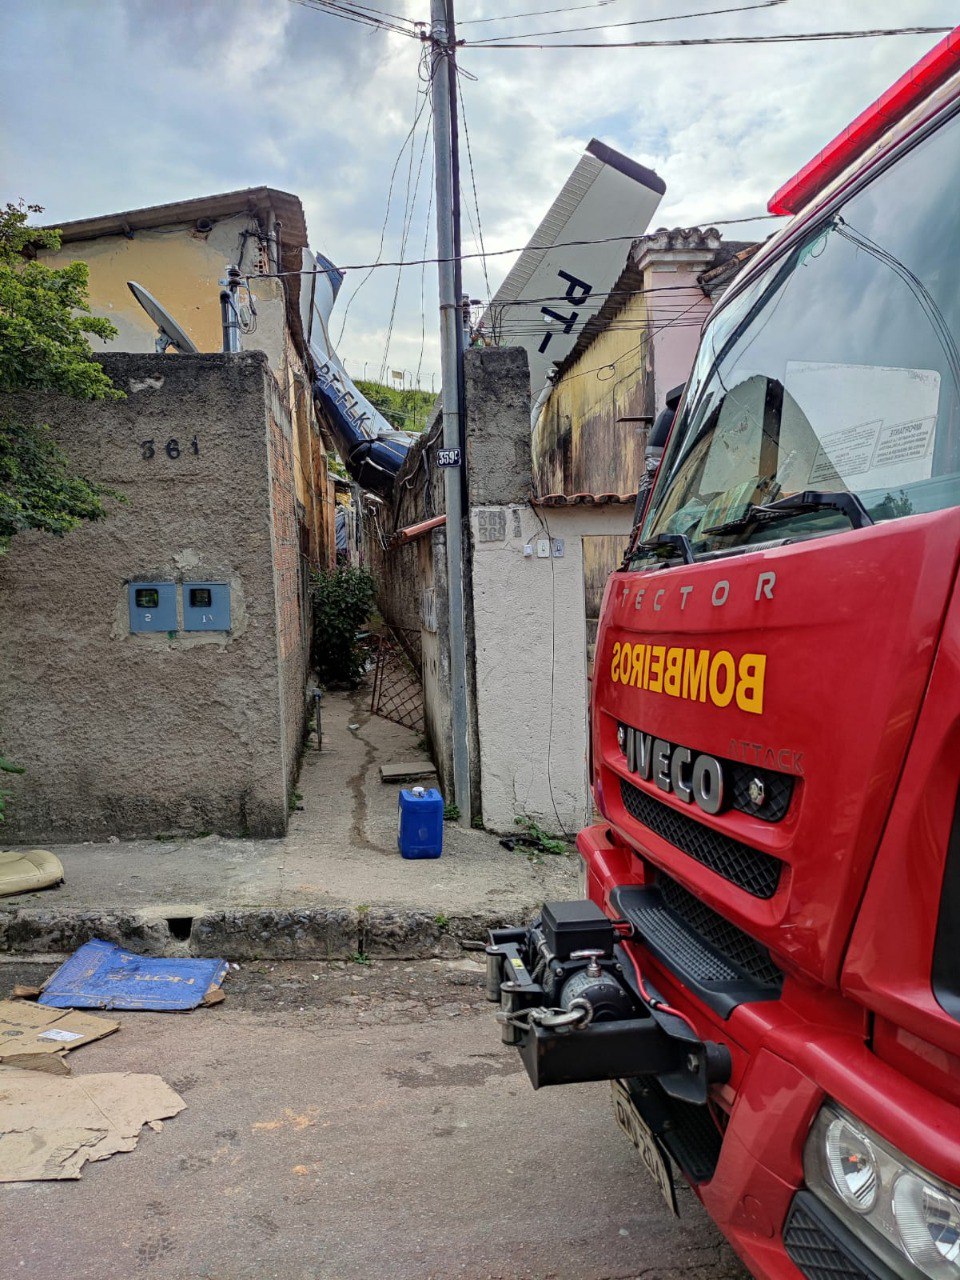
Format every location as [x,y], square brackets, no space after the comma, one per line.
[904,442]
[847,453]
[874,426]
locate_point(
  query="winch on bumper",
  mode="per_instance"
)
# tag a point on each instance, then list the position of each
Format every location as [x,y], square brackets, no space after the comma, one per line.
[572,1002]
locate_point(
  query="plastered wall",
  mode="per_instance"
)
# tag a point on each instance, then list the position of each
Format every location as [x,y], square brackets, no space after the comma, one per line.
[152,734]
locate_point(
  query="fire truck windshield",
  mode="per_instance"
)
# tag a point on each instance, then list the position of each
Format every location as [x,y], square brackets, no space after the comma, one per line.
[835,371]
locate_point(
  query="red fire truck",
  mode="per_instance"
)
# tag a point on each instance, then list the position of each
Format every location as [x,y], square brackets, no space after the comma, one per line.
[766,962]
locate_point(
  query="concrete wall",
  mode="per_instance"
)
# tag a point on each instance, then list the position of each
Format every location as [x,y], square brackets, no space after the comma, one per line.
[124,734]
[531,662]
[527,625]
[411,583]
[182,267]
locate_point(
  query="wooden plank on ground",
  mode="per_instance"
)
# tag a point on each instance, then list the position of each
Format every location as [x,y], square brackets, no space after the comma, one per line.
[408,771]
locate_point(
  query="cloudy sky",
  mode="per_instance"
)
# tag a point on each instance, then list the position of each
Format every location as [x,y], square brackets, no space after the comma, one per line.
[114,104]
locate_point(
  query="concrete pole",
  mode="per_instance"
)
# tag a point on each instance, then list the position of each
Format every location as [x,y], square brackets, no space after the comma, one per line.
[442,50]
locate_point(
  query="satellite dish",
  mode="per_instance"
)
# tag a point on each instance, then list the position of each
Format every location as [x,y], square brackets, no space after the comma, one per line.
[169,332]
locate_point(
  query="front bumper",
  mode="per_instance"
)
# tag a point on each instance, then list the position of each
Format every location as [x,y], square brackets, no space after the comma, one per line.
[790,1051]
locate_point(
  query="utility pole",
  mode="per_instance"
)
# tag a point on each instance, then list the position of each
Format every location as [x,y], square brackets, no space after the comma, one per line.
[442,38]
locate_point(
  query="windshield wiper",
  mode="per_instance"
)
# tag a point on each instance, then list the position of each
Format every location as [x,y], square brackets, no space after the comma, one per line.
[810,500]
[666,543]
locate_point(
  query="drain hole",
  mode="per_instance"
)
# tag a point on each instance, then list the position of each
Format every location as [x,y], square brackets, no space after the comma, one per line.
[180,927]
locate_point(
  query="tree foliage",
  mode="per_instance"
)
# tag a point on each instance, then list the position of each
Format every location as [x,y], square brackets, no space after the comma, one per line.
[342,602]
[44,322]
[407,408]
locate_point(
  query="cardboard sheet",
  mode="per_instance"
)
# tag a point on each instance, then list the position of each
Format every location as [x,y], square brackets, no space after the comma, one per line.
[32,1036]
[50,1127]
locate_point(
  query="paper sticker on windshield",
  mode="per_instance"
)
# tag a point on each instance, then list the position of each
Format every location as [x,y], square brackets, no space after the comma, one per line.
[847,452]
[873,426]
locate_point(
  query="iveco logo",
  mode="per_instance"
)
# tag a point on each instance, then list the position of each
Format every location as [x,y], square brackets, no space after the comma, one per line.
[695,779]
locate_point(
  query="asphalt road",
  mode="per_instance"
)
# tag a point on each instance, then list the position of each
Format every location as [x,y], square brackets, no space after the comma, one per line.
[350,1122]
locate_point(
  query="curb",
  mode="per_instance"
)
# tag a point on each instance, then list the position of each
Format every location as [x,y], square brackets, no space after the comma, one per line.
[256,933]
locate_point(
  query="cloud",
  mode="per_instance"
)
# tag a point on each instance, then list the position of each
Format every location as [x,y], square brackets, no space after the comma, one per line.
[128,103]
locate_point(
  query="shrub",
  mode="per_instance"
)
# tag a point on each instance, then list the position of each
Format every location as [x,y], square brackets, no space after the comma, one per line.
[342,601]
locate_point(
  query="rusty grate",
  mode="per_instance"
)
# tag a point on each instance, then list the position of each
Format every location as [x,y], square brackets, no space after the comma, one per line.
[397,691]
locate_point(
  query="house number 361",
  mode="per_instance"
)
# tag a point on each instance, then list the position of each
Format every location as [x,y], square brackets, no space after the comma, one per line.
[148,448]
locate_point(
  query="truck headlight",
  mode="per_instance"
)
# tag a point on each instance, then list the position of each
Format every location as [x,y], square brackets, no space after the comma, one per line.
[852,1165]
[929,1224]
[901,1212]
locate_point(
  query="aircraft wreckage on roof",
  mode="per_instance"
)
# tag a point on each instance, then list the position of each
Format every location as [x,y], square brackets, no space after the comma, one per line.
[556,286]
[372,450]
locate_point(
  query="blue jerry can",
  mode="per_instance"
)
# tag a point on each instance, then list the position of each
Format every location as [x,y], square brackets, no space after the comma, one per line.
[420,823]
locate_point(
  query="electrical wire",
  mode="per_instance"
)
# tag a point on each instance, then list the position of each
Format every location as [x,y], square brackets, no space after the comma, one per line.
[653,1001]
[638,22]
[533,13]
[651,333]
[553,667]
[476,202]
[500,253]
[364,15]
[409,206]
[702,41]
[370,267]
[423,274]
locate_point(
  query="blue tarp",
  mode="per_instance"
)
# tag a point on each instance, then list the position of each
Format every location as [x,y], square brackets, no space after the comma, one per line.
[103,976]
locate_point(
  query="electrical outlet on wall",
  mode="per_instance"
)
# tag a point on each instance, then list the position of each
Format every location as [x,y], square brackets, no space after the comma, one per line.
[543,548]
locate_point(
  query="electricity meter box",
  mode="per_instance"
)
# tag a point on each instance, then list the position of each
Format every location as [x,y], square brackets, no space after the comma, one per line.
[206,606]
[153,606]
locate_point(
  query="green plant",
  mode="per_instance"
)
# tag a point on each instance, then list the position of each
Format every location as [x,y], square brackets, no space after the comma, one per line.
[342,601]
[477,822]
[441,920]
[360,957]
[44,322]
[407,408]
[451,813]
[535,837]
[295,798]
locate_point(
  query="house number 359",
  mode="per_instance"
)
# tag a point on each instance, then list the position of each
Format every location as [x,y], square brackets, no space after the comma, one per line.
[148,448]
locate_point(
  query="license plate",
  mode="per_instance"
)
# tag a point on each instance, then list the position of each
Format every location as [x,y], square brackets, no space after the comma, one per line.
[645,1140]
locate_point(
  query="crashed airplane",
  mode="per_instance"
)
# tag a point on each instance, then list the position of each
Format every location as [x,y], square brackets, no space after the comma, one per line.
[571,263]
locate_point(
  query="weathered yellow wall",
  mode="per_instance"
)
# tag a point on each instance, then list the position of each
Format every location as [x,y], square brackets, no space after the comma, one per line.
[182,268]
[579,446]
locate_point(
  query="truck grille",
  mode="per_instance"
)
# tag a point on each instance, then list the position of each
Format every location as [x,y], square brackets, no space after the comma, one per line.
[820,1253]
[733,944]
[755,872]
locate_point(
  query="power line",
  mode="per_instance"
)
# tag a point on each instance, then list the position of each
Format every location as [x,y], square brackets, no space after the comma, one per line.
[639,22]
[364,15]
[410,204]
[533,13]
[700,41]
[499,253]
[371,267]
[423,273]
[473,183]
